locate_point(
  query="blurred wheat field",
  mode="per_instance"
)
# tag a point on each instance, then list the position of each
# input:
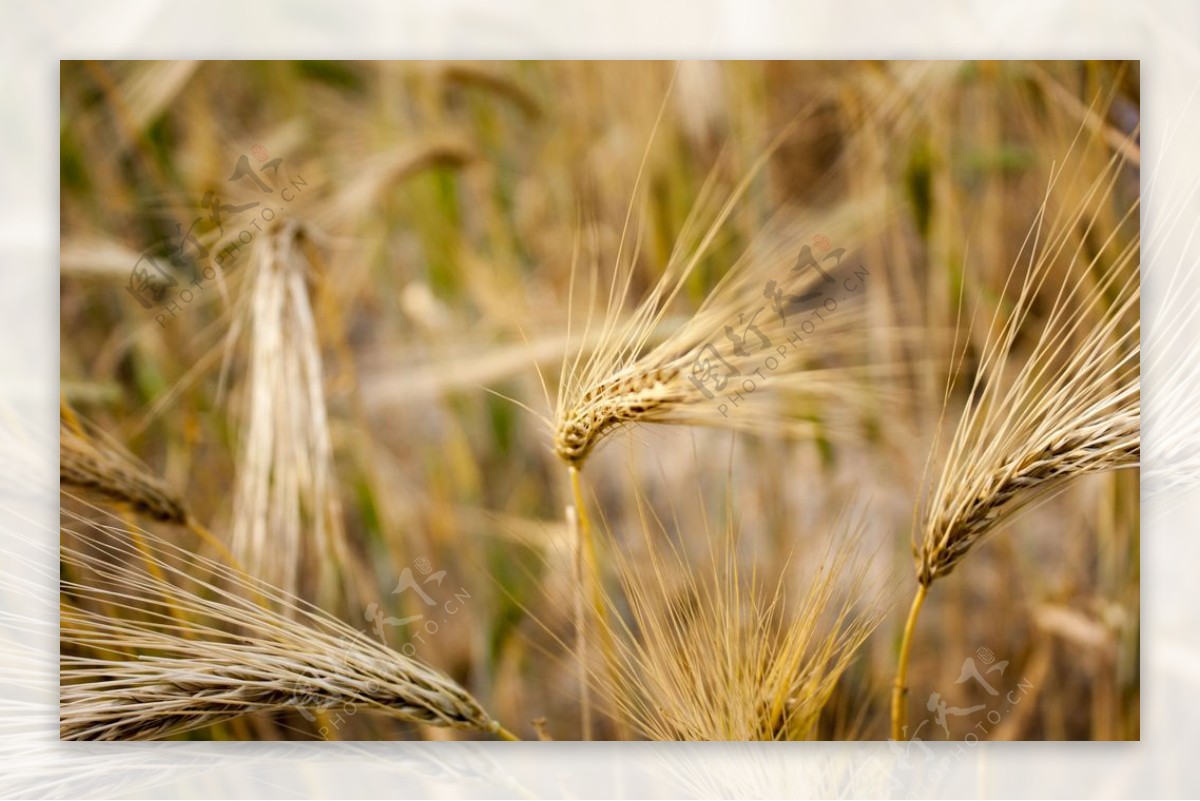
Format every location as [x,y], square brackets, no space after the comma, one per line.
[426,359]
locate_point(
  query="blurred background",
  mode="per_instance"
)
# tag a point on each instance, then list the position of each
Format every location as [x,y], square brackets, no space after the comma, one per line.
[443,205]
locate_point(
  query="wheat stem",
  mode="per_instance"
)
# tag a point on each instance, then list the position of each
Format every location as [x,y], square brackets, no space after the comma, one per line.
[586,542]
[591,590]
[900,687]
[581,581]
[505,734]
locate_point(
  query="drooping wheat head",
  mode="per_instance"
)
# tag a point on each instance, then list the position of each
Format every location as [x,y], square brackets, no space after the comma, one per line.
[653,368]
[287,520]
[753,331]
[1068,408]
[758,325]
[92,462]
[1071,408]
[152,653]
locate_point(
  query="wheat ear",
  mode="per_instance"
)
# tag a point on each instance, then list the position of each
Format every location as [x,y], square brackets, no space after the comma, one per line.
[643,367]
[95,464]
[287,520]
[206,653]
[714,652]
[1072,408]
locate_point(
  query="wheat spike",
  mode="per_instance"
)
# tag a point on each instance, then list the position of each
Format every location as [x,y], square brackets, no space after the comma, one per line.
[206,653]
[1072,408]
[713,652]
[287,520]
[94,463]
[651,367]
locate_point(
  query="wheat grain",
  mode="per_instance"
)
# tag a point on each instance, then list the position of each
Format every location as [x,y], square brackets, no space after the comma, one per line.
[1107,444]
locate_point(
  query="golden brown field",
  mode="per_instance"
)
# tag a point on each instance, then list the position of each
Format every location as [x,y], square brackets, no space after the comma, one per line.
[600,400]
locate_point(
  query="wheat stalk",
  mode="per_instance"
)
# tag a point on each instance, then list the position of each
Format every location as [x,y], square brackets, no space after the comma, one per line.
[647,368]
[1072,408]
[206,653]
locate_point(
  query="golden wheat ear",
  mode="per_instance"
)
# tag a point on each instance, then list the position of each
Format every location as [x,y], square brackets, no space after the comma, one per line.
[790,302]
[153,651]
[287,526]
[725,650]
[781,310]
[1072,408]
[91,462]
[1069,407]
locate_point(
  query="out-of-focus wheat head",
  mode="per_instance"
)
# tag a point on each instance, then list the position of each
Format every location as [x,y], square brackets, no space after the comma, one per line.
[287,520]
[94,463]
[716,652]
[159,641]
[1073,405]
